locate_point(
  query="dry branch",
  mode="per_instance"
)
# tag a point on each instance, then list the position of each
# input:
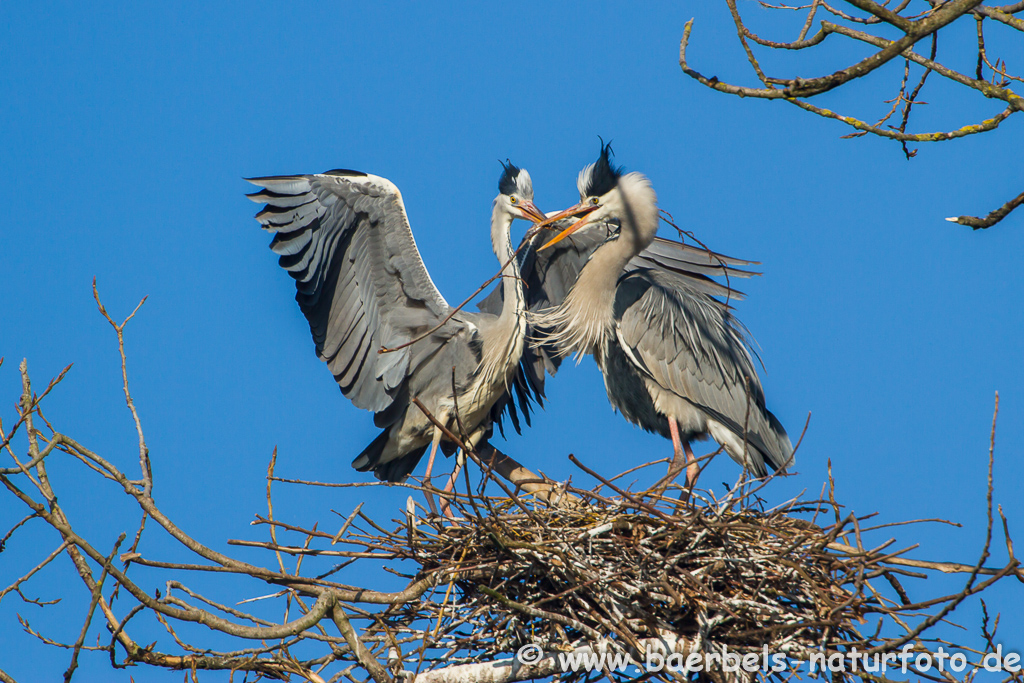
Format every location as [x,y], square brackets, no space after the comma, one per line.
[916,21]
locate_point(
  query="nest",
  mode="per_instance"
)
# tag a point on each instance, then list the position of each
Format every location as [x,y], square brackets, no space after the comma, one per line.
[717,577]
[627,573]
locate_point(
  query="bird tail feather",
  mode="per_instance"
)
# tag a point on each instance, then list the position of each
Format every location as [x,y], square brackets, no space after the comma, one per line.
[395,470]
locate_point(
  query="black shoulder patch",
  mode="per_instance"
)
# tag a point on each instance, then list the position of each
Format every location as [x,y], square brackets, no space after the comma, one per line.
[507,181]
[630,289]
[345,172]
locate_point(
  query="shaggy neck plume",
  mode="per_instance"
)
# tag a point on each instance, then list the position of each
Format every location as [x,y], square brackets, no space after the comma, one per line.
[586,317]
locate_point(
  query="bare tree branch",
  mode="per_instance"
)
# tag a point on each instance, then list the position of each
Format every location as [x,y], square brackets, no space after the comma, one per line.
[993,217]
[936,16]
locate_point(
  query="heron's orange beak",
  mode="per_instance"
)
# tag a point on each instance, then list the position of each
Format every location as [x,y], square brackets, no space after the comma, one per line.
[531,212]
[578,210]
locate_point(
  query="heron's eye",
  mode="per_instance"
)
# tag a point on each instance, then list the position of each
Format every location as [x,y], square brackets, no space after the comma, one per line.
[513,199]
[593,200]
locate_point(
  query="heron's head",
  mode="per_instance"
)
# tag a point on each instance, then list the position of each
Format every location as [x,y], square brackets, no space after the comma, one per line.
[607,193]
[515,193]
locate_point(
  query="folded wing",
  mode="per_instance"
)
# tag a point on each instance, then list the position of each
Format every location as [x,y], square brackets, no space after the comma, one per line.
[692,347]
[548,276]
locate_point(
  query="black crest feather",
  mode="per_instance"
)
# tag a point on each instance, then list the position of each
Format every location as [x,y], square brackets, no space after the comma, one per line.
[603,174]
[507,181]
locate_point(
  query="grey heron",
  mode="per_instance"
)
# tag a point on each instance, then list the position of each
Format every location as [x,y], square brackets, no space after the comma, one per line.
[548,276]
[345,238]
[674,359]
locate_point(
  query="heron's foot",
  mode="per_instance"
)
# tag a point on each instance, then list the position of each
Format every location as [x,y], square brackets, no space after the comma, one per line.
[449,487]
[675,467]
[692,472]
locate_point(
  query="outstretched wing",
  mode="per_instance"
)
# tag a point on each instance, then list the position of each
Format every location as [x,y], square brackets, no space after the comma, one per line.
[689,345]
[360,281]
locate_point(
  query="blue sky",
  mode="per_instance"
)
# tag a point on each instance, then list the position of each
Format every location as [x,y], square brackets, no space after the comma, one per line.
[127,130]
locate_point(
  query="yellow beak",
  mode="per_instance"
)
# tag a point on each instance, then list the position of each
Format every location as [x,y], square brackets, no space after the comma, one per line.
[531,212]
[578,210]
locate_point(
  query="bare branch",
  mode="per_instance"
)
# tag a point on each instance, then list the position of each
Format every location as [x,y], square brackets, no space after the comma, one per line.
[993,217]
[571,571]
[799,91]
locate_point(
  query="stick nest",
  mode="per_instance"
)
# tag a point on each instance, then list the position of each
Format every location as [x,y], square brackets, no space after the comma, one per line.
[558,577]
[616,574]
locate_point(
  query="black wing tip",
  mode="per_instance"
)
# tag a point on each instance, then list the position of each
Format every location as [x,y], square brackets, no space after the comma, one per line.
[270,209]
[266,195]
[257,180]
[342,172]
[345,172]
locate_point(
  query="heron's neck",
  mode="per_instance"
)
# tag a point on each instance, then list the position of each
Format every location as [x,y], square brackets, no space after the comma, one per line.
[584,321]
[636,207]
[587,315]
[514,304]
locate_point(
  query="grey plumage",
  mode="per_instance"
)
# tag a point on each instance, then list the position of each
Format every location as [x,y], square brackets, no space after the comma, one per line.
[548,276]
[362,286]
[683,342]
[646,310]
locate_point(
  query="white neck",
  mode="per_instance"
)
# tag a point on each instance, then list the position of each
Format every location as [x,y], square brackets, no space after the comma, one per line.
[581,323]
[512,285]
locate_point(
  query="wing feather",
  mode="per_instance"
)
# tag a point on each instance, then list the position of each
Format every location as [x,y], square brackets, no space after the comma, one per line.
[692,347]
[550,274]
[344,237]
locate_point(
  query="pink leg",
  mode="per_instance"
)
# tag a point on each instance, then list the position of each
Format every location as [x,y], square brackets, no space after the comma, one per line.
[450,486]
[433,452]
[676,466]
[692,468]
[430,467]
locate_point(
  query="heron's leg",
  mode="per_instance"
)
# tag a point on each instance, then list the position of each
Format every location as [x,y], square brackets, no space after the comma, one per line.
[678,460]
[692,468]
[692,471]
[435,442]
[676,466]
[460,460]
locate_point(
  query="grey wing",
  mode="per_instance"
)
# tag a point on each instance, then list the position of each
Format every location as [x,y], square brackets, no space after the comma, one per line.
[689,345]
[695,265]
[548,276]
[361,283]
